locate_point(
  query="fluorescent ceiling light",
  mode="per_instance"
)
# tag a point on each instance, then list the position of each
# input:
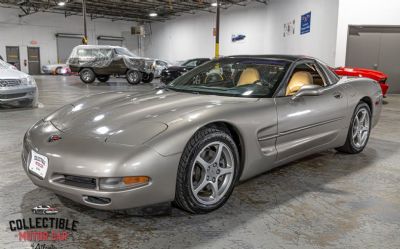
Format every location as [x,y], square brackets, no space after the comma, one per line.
[61,3]
[153,14]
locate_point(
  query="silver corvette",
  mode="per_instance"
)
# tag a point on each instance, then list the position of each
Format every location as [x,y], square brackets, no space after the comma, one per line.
[192,141]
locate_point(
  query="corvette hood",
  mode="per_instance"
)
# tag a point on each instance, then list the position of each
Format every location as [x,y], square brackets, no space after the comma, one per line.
[118,114]
[363,72]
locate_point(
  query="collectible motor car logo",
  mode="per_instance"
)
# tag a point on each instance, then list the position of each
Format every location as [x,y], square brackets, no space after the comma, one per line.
[44,209]
[43,230]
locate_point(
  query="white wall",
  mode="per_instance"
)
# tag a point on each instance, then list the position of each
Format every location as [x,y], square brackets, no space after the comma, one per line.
[191,35]
[361,12]
[42,27]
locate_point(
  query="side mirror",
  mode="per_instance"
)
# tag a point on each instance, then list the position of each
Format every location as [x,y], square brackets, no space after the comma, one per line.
[308,90]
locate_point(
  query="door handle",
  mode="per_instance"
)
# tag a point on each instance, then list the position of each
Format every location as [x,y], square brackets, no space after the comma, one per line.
[338,95]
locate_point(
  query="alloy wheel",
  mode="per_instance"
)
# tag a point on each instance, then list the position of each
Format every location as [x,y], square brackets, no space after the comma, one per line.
[361,127]
[212,173]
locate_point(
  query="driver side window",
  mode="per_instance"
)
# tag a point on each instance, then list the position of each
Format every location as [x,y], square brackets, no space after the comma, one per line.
[304,74]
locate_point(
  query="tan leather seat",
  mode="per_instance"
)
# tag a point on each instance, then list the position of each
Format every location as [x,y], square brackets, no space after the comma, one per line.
[298,80]
[249,76]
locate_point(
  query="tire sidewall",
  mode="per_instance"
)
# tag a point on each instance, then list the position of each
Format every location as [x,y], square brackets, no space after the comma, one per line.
[93,75]
[350,135]
[214,137]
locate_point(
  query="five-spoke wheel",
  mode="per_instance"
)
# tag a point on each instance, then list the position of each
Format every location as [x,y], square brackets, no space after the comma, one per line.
[212,173]
[208,170]
[359,130]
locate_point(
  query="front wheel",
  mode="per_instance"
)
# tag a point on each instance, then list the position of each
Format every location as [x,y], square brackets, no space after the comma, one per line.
[207,172]
[133,77]
[359,130]
[147,77]
[87,75]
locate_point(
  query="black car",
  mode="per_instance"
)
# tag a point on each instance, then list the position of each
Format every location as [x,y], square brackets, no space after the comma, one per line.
[171,73]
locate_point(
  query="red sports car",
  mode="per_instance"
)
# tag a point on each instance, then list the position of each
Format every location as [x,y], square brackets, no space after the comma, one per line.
[364,72]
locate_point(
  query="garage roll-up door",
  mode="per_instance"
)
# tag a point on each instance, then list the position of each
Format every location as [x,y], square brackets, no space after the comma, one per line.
[110,40]
[65,44]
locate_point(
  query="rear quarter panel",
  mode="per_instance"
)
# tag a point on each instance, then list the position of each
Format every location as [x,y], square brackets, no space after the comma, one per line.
[363,89]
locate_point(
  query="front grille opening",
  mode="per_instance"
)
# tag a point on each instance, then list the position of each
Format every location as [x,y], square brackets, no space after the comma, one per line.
[9,82]
[76,181]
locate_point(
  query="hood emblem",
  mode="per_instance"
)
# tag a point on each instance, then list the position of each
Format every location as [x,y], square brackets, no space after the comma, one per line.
[54,138]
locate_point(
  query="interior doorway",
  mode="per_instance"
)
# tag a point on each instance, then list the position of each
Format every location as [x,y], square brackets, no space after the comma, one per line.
[376,47]
[12,56]
[34,60]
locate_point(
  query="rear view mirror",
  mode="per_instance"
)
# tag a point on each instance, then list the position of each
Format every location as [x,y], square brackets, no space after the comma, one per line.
[308,90]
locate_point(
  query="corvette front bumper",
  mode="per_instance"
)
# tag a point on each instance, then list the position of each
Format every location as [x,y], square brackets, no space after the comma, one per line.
[83,161]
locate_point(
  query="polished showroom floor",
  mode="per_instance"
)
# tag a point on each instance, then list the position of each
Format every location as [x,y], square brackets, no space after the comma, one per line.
[328,200]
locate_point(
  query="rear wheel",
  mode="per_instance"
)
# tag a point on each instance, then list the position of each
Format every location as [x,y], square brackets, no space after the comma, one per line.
[207,172]
[87,75]
[359,130]
[103,78]
[133,77]
[147,77]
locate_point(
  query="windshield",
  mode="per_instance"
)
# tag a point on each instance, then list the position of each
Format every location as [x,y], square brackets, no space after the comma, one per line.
[124,51]
[234,77]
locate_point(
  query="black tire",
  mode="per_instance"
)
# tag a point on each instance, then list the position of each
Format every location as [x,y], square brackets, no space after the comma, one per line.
[133,77]
[350,146]
[147,77]
[103,78]
[184,197]
[87,75]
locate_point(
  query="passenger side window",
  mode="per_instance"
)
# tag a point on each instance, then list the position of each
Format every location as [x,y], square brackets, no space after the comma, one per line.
[305,74]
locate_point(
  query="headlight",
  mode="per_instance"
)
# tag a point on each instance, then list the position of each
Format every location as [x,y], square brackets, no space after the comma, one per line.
[28,81]
[122,183]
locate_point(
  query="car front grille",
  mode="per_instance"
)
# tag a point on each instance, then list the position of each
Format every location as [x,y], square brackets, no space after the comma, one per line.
[12,96]
[76,181]
[9,82]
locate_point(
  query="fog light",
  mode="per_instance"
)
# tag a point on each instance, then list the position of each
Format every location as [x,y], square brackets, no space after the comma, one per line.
[121,183]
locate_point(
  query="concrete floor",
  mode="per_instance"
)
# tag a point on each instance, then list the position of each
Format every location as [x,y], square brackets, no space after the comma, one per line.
[328,200]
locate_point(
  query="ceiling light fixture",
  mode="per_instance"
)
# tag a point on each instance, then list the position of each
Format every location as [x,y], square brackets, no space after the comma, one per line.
[62,3]
[153,14]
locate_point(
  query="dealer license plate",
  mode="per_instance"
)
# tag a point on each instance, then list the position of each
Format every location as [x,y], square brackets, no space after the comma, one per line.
[38,164]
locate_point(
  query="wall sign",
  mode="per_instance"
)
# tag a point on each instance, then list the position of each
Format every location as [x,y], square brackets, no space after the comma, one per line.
[305,26]
[289,28]
[237,37]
